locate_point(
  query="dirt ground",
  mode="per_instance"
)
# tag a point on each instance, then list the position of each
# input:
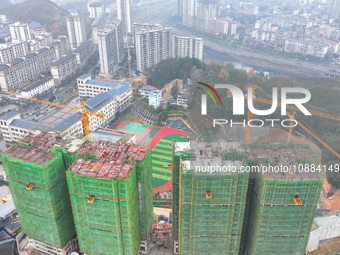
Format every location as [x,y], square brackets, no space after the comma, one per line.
[332,203]
[331,247]
[167,95]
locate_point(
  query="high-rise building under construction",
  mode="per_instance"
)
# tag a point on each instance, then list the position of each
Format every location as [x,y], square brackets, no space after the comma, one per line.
[224,213]
[110,197]
[208,207]
[37,180]
[109,187]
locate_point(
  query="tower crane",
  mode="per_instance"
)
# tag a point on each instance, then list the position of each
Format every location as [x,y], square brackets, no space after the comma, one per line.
[85,113]
[292,117]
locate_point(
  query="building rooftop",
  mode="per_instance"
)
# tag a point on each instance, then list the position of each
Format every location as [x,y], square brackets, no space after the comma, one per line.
[3,67]
[123,85]
[63,59]
[17,61]
[42,50]
[284,155]
[95,103]
[112,161]
[81,46]
[36,148]
[70,121]
[308,42]
[148,87]
[96,4]
[36,84]
[31,125]
[111,135]
[8,115]
[6,208]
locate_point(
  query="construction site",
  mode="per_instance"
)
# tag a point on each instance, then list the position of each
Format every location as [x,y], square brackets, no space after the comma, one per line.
[233,213]
[98,190]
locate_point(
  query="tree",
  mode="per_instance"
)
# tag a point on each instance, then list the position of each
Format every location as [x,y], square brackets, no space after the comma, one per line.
[224,73]
[52,98]
[251,73]
[174,90]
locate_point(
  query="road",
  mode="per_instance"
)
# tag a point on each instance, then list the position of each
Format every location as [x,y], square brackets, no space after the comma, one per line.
[311,67]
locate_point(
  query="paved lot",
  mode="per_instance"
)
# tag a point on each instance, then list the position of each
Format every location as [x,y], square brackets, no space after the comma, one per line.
[58,114]
[178,124]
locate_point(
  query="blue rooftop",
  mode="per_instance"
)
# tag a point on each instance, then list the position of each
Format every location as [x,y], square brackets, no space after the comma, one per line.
[26,124]
[119,89]
[70,121]
[8,115]
[107,84]
[95,103]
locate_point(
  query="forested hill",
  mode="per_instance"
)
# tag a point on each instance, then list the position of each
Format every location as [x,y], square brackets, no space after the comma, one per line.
[45,12]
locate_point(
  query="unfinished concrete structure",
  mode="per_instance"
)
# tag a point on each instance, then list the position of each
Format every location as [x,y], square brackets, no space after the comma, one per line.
[276,208]
[108,185]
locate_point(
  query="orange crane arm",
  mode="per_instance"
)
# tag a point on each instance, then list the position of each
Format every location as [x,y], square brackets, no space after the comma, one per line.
[44,102]
[291,107]
[318,139]
[85,113]
[58,105]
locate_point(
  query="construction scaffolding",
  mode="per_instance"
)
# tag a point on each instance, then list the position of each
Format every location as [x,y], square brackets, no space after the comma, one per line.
[38,184]
[111,197]
[283,204]
[209,216]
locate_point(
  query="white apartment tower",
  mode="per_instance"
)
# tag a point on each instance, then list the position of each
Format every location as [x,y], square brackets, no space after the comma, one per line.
[334,9]
[188,10]
[152,46]
[76,29]
[183,47]
[95,8]
[124,14]
[19,32]
[110,45]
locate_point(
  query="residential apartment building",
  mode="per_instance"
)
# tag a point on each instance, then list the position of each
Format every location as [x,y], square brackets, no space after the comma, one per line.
[183,47]
[306,47]
[83,52]
[152,46]
[14,128]
[95,8]
[89,88]
[20,32]
[188,10]
[334,9]
[21,70]
[146,90]
[206,10]
[76,29]
[155,98]
[64,67]
[10,51]
[37,87]
[110,45]
[40,41]
[117,98]
[124,14]
[61,46]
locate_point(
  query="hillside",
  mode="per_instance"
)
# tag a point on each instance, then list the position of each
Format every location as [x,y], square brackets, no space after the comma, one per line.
[44,12]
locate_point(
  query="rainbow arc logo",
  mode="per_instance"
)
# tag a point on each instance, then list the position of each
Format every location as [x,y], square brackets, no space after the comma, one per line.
[209,93]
